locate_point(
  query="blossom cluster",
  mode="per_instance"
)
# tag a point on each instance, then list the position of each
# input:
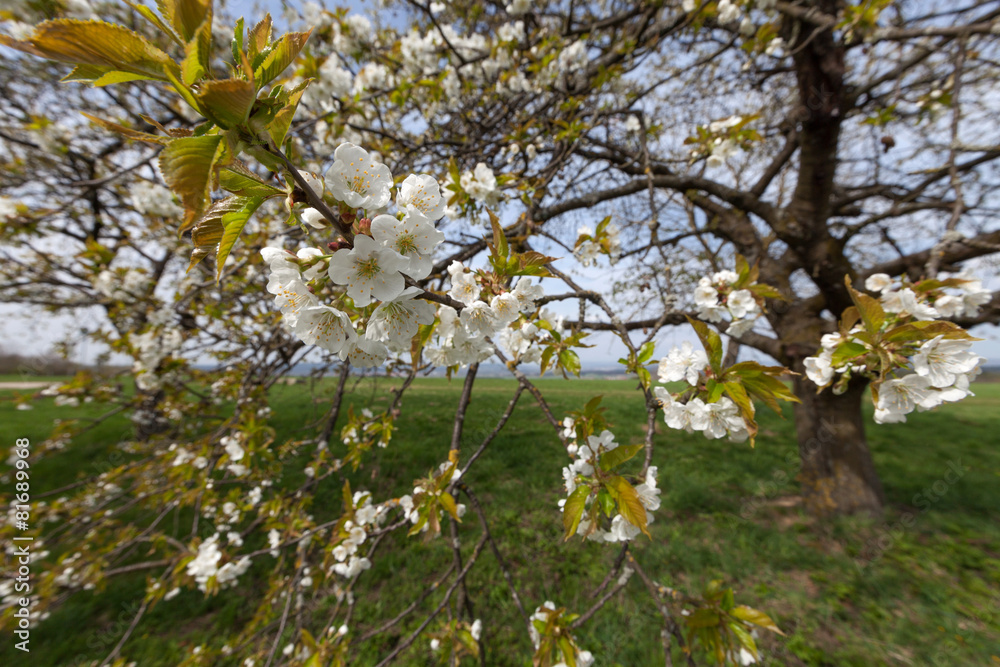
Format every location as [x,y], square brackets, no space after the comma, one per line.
[543,618]
[714,420]
[581,471]
[590,244]
[465,338]
[715,297]
[902,299]
[152,347]
[372,271]
[410,504]
[205,566]
[939,364]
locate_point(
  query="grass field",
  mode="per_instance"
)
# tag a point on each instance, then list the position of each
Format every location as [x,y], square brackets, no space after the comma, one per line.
[931,598]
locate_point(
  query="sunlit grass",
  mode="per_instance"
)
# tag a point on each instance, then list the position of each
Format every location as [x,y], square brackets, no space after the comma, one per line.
[930,598]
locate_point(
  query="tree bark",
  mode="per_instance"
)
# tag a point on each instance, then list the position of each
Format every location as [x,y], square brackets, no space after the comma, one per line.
[838,475]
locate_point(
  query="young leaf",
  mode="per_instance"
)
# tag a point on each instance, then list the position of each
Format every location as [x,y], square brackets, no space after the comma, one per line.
[233,223]
[646,352]
[755,617]
[448,503]
[278,127]
[186,16]
[570,361]
[868,307]
[847,351]
[711,341]
[629,505]
[197,55]
[573,510]
[93,43]
[227,102]
[736,392]
[258,37]
[239,180]
[283,54]
[499,250]
[187,166]
[619,455]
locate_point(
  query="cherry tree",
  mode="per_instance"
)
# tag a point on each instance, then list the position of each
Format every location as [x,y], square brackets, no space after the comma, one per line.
[415,196]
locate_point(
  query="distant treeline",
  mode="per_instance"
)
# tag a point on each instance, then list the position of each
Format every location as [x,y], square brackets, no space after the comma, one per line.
[45,364]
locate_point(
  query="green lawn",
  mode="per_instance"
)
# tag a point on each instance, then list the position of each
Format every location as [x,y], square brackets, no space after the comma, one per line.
[931,598]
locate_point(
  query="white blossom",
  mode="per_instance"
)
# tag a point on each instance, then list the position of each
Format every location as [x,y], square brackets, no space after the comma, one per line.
[357,179]
[398,321]
[325,327]
[413,237]
[878,282]
[420,196]
[900,396]
[820,369]
[942,361]
[682,363]
[369,270]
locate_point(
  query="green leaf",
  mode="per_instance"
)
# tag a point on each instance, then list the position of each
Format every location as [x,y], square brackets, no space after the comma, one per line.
[187,164]
[846,351]
[919,331]
[278,127]
[93,43]
[736,392]
[629,505]
[258,37]
[448,503]
[186,16]
[233,223]
[573,510]
[197,54]
[239,180]
[227,103]
[646,352]
[744,637]
[283,54]
[711,341]
[755,617]
[499,249]
[570,361]
[619,455]
[868,307]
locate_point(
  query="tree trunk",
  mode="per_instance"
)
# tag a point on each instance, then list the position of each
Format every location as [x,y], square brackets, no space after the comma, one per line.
[837,476]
